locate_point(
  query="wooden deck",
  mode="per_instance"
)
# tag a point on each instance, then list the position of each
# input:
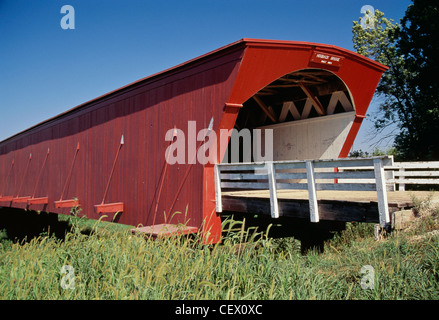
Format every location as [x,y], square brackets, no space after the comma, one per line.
[360,206]
[164,230]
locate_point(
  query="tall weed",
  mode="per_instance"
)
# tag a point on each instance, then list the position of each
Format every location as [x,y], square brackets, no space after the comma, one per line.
[111,263]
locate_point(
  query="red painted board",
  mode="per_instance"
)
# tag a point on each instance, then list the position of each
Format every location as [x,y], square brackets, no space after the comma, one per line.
[109,207]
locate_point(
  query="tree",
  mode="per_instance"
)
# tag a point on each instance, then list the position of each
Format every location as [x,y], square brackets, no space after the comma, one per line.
[418,43]
[377,152]
[409,88]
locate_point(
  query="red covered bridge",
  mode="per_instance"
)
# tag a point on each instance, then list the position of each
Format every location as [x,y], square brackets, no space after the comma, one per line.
[108,154]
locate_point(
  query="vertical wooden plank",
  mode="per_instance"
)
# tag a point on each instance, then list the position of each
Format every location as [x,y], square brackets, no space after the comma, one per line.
[211,224]
[274,206]
[313,207]
[383,206]
[401,186]
[218,199]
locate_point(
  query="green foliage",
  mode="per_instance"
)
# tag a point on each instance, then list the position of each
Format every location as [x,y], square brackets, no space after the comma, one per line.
[409,89]
[111,263]
[76,209]
[377,152]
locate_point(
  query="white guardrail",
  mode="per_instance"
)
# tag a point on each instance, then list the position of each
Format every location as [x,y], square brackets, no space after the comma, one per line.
[403,173]
[357,174]
[417,173]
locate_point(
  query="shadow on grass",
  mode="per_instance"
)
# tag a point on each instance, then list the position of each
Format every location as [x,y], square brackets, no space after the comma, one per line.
[19,225]
[311,235]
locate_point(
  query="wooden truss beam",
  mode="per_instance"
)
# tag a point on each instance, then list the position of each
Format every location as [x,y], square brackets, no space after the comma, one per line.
[336,97]
[264,108]
[289,106]
[317,105]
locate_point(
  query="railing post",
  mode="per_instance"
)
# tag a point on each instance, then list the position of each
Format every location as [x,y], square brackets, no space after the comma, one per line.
[218,199]
[383,207]
[313,207]
[401,186]
[274,206]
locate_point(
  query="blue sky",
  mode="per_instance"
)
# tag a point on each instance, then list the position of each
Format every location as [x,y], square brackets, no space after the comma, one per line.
[46,70]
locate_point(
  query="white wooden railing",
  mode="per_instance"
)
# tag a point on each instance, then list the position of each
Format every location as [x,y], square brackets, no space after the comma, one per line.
[401,174]
[415,173]
[311,175]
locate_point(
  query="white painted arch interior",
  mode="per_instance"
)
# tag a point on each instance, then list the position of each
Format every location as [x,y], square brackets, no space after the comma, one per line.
[310,112]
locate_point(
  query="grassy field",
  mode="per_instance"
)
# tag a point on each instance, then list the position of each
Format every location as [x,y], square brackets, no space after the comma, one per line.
[109,263]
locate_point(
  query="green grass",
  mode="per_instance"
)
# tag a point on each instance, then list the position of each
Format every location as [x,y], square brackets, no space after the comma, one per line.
[110,263]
